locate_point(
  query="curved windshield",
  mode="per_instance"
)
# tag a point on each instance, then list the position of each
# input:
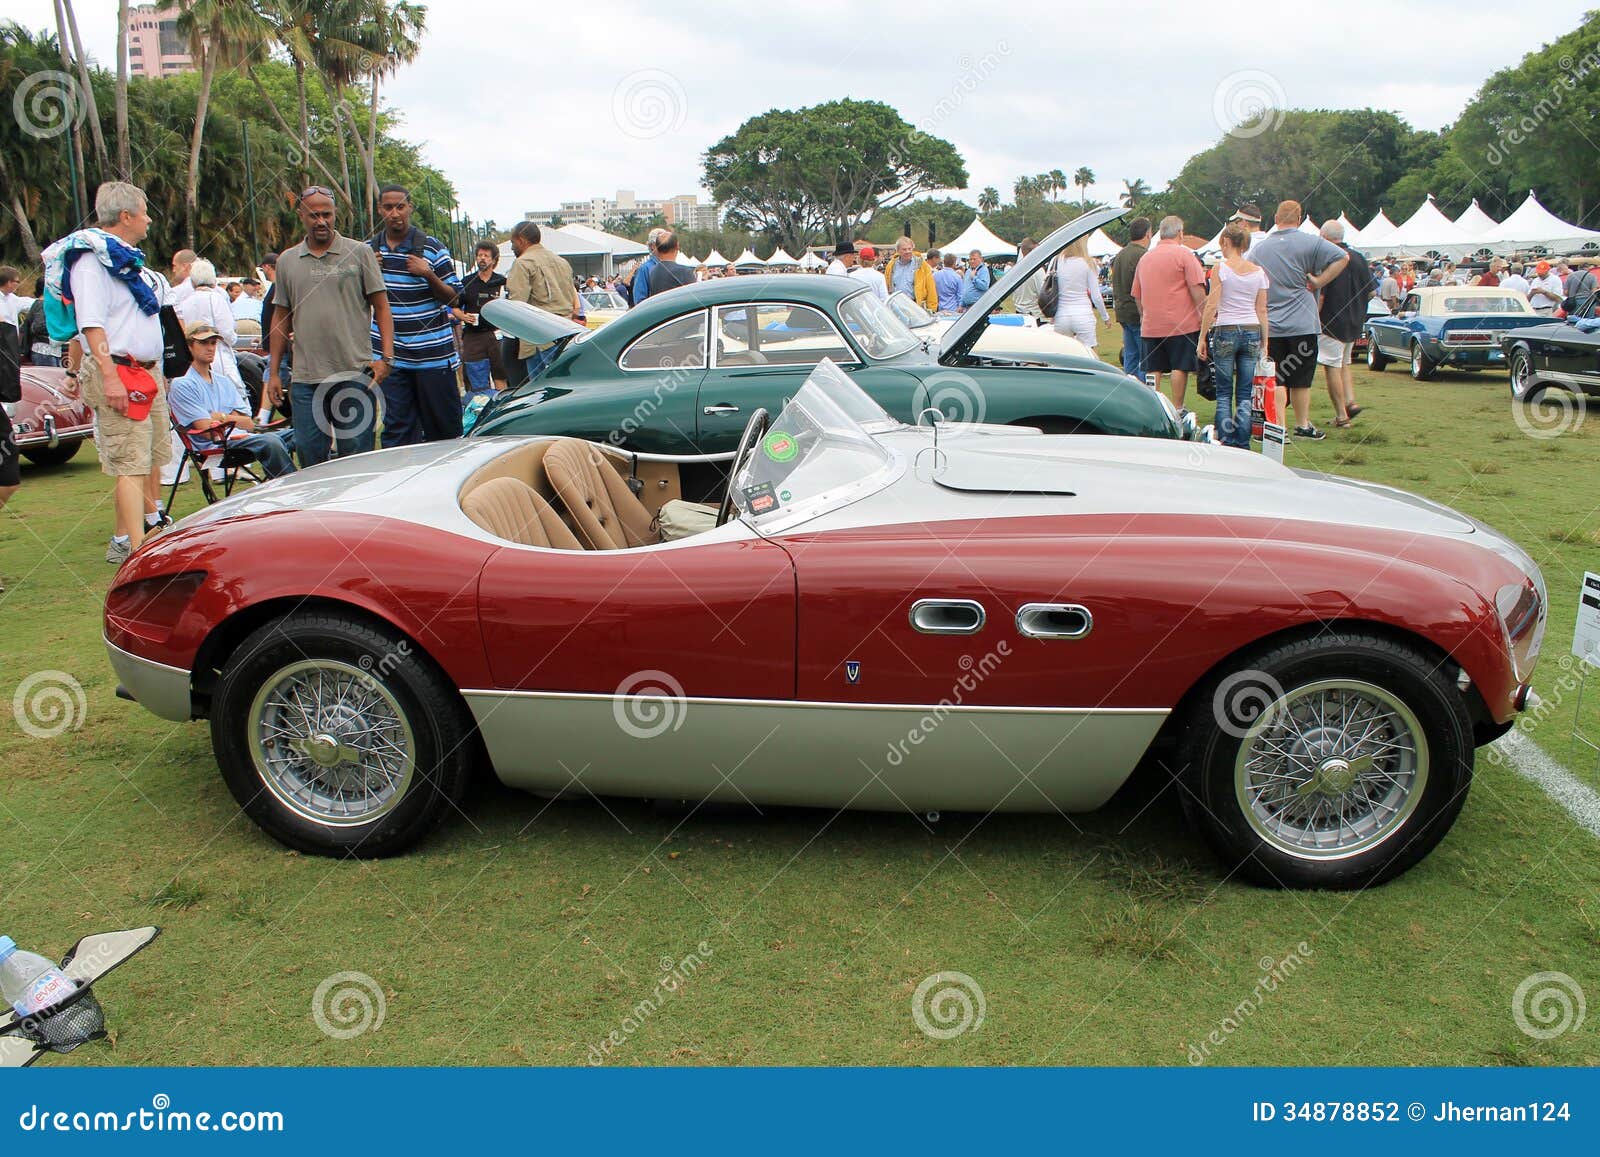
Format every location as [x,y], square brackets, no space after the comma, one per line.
[908,311]
[875,326]
[816,456]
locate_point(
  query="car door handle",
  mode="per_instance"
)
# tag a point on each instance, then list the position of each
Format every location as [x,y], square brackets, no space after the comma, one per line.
[947,616]
[1054,621]
[722,408]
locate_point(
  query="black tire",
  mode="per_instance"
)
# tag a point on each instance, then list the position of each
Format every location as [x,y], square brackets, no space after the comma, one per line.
[1521,369]
[1216,731]
[56,455]
[439,732]
[1421,367]
[1376,360]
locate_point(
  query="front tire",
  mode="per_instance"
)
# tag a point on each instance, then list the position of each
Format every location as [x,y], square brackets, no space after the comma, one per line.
[339,737]
[1375,359]
[1522,387]
[1332,762]
[1422,367]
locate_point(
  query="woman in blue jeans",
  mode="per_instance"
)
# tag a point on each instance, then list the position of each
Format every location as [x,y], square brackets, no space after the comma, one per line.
[1233,332]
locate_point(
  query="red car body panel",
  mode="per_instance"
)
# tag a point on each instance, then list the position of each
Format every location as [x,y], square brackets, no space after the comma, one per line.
[1171,596]
[719,620]
[47,392]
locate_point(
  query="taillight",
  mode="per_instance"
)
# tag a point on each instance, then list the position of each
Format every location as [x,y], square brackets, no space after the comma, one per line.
[149,608]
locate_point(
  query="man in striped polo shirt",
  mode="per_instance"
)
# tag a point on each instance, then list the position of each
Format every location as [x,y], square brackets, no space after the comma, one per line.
[421,399]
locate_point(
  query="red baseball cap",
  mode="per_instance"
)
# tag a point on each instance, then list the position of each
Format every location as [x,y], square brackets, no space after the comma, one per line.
[867,253]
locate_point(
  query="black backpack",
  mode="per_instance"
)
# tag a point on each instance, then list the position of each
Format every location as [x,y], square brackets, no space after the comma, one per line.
[1050,293]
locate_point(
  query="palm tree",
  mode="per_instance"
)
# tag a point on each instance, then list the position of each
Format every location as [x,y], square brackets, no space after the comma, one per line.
[989,199]
[1083,178]
[1024,189]
[400,27]
[1058,180]
[67,21]
[219,32]
[1135,191]
[124,163]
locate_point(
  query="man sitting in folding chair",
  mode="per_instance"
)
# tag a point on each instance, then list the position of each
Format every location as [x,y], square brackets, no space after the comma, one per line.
[212,419]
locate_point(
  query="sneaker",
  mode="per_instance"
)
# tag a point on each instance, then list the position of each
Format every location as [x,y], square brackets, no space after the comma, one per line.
[1309,432]
[118,552]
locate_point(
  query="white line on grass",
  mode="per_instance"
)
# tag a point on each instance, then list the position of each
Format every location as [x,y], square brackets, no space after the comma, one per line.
[1530,761]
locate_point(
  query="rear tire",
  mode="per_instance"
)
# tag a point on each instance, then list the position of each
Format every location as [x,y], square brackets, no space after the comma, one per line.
[1523,388]
[1376,361]
[56,455]
[339,737]
[1421,368]
[1331,762]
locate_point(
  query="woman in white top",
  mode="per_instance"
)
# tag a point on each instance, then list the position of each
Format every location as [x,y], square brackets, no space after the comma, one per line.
[1078,298]
[1233,332]
[209,303]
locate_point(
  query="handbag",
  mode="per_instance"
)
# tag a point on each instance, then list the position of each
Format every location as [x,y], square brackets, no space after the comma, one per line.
[1050,293]
[175,357]
[1205,379]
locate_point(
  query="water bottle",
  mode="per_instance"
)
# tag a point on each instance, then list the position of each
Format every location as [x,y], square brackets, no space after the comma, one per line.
[29,982]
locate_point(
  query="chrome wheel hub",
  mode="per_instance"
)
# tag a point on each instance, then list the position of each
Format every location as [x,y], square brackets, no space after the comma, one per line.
[331,742]
[1331,769]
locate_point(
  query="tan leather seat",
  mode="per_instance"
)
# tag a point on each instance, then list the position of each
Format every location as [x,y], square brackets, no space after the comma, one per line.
[511,509]
[599,504]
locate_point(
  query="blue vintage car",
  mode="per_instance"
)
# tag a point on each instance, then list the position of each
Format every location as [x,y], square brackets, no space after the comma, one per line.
[1458,326]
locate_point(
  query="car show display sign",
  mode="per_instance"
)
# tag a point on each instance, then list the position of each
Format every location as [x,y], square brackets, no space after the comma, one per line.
[1586,634]
[1272,439]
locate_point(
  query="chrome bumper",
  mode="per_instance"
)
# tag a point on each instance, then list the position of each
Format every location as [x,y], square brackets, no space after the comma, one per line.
[158,688]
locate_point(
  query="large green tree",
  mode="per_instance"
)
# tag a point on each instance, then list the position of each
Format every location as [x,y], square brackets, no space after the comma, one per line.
[800,174]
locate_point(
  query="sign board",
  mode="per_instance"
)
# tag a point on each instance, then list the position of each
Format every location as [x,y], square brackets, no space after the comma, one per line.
[1272,441]
[1586,635]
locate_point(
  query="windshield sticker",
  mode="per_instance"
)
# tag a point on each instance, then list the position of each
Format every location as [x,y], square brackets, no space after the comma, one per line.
[780,447]
[760,499]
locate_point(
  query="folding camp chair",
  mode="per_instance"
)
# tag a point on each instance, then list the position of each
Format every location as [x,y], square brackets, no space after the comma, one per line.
[233,461]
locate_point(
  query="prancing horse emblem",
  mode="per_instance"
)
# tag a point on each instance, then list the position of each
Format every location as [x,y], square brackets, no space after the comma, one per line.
[852,671]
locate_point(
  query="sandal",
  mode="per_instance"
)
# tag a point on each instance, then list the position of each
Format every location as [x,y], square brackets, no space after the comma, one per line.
[1352,411]
[1340,423]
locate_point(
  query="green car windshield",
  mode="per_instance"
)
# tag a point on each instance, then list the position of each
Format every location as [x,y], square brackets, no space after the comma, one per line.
[817,455]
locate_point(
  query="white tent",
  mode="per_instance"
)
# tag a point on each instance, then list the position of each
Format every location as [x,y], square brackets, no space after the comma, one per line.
[1352,235]
[1533,226]
[1475,221]
[781,260]
[1425,233]
[1102,246]
[1377,231]
[585,256]
[689,259]
[809,260]
[1306,226]
[715,260]
[621,248]
[748,260]
[977,236]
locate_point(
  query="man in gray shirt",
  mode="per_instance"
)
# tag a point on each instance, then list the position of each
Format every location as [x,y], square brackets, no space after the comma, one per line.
[1298,265]
[329,292]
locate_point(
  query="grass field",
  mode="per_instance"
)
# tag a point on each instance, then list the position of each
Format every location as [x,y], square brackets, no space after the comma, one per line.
[531,932]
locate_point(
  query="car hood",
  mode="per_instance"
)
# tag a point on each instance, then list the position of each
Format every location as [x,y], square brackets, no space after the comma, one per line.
[1028,474]
[964,332]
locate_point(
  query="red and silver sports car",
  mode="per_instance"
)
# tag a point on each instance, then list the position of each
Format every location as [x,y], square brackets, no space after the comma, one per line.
[933,618]
[52,420]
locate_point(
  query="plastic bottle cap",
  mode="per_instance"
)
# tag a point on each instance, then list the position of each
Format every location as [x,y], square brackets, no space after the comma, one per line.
[7,946]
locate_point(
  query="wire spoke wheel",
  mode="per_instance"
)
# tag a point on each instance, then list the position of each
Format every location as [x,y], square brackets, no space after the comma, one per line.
[331,742]
[1331,769]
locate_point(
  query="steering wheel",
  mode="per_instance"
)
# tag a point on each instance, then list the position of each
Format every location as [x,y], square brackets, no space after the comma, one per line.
[753,430]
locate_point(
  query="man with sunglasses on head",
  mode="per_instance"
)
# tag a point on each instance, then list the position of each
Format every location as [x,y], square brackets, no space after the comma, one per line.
[329,294]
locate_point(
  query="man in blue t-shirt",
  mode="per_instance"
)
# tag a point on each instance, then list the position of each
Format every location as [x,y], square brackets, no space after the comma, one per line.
[204,399]
[947,280]
[421,399]
[975,281]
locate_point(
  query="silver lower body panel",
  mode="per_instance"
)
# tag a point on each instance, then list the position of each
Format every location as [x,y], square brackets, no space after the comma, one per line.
[876,757]
[156,687]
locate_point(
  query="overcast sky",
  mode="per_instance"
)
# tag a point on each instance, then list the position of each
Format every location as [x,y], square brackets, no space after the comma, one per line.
[523,115]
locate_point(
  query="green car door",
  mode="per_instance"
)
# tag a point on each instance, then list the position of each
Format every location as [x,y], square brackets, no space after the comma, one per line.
[761,354]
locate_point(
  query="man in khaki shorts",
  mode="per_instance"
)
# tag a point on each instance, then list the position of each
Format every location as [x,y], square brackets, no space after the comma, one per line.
[120,371]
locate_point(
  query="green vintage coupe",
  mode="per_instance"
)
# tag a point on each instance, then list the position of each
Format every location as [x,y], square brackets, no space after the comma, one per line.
[682,372]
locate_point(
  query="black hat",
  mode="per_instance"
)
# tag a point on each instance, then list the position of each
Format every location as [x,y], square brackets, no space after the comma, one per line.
[844,247]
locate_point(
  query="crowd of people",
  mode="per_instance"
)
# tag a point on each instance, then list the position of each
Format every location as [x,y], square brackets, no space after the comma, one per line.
[353,329]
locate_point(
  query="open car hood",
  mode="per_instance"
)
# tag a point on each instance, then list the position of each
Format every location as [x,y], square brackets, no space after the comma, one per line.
[521,320]
[959,339]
